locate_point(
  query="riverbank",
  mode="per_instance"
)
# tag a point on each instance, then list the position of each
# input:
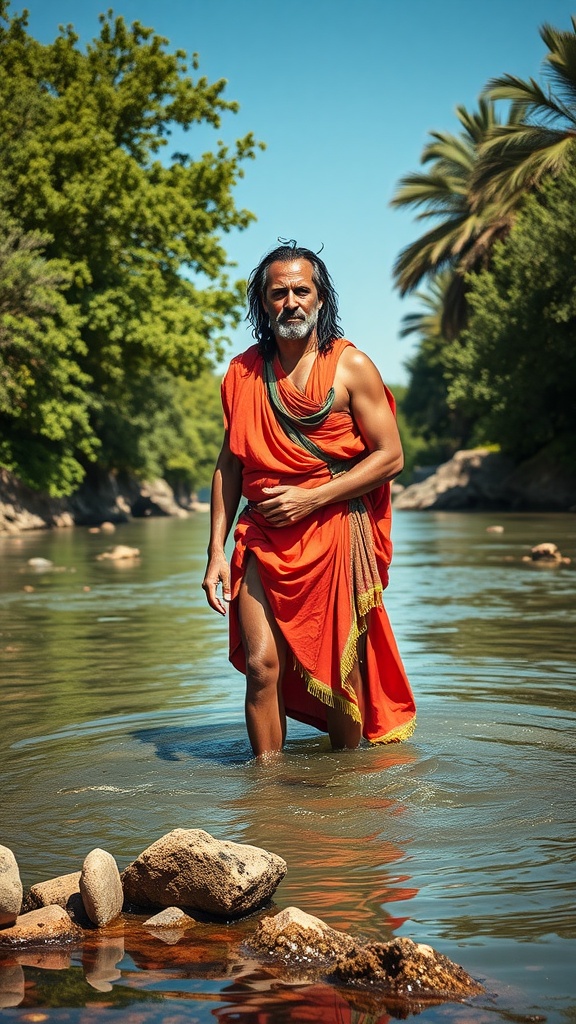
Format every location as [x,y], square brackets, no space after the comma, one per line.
[478,479]
[102,498]
[484,480]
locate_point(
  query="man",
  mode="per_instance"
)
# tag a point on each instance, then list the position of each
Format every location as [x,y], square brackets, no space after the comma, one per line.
[311,442]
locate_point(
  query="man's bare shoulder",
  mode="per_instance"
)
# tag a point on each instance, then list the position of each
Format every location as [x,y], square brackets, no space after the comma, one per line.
[356,368]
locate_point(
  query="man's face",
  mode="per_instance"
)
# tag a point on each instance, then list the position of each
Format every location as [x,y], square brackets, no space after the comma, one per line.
[291,299]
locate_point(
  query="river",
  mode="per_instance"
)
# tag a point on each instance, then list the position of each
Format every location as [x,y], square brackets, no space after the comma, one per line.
[123,720]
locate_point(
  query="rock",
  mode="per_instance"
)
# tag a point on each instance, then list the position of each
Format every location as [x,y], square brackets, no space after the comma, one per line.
[107,527]
[40,563]
[473,478]
[546,552]
[407,969]
[156,498]
[189,868]
[494,529]
[10,887]
[54,892]
[101,887]
[297,937]
[119,553]
[12,990]
[172,917]
[48,924]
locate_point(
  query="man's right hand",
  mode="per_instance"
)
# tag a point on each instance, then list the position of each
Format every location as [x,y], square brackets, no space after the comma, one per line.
[217,571]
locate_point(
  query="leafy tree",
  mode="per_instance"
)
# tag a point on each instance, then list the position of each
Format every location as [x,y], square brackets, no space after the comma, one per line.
[516,374]
[43,401]
[137,237]
[464,232]
[540,137]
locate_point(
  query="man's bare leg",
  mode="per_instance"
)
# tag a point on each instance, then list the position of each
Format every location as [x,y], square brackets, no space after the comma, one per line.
[343,731]
[265,650]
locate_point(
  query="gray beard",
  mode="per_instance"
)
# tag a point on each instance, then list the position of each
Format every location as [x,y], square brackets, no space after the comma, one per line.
[296,330]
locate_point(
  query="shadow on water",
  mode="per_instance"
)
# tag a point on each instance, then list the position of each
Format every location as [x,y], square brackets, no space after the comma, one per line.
[214,744]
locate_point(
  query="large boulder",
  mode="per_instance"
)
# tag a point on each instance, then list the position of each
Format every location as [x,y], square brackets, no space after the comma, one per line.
[471,479]
[189,868]
[10,887]
[48,924]
[101,888]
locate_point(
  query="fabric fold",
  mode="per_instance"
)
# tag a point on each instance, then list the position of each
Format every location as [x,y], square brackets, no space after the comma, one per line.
[324,577]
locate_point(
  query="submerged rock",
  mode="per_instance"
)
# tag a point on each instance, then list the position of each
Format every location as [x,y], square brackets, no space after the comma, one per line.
[172,917]
[400,968]
[10,887]
[407,969]
[118,553]
[189,868]
[547,553]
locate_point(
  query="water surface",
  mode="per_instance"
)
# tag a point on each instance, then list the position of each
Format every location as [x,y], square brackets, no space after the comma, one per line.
[122,720]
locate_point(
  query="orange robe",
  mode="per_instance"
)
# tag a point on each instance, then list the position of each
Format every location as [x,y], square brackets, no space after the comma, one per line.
[324,575]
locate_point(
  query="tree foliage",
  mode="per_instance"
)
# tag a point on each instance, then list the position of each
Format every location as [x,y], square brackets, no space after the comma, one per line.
[515,374]
[143,301]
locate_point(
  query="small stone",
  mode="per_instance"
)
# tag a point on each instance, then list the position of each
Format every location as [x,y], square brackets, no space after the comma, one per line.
[545,552]
[40,563]
[407,969]
[119,553]
[10,887]
[48,924]
[101,887]
[107,527]
[172,917]
[494,529]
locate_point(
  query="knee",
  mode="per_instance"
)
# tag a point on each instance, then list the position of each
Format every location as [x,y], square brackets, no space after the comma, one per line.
[262,676]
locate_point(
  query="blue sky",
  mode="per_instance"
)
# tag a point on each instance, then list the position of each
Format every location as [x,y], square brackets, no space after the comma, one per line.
[344,95]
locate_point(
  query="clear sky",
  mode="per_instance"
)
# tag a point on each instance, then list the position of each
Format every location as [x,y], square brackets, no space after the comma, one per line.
[343,94]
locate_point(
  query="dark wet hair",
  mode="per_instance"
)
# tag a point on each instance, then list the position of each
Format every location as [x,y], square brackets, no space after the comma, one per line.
[328,327]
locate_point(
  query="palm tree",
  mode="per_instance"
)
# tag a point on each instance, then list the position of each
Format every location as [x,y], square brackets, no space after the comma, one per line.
[465,232]
[541,132]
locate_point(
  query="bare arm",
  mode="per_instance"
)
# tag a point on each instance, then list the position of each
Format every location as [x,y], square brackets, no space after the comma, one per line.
[226,492]
[377,425]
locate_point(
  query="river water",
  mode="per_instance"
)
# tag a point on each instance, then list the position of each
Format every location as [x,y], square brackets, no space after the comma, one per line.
[122,720]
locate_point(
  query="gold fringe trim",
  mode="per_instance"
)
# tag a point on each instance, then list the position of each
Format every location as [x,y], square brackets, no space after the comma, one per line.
[397,735]
[326,695]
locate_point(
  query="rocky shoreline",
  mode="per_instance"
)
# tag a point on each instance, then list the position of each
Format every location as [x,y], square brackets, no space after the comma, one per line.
[475,479]
[188,877]
[481,479]
[103,498]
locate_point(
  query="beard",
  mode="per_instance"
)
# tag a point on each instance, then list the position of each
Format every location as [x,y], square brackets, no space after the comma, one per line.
[296,329]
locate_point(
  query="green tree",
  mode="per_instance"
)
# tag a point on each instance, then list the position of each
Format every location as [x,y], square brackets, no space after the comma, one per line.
[464,231]
[44,406]
[540,136]
[516,374]
[139,238]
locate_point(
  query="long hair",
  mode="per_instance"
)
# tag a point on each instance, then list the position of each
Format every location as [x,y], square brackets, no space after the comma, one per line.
[328,327]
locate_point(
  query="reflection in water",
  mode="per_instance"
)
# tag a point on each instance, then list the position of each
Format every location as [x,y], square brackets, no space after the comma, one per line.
[123,720]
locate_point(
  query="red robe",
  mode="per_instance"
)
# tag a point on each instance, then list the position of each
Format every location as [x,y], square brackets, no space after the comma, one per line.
[324,575]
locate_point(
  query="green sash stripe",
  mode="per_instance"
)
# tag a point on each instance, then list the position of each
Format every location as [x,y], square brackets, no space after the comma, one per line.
[290,424]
